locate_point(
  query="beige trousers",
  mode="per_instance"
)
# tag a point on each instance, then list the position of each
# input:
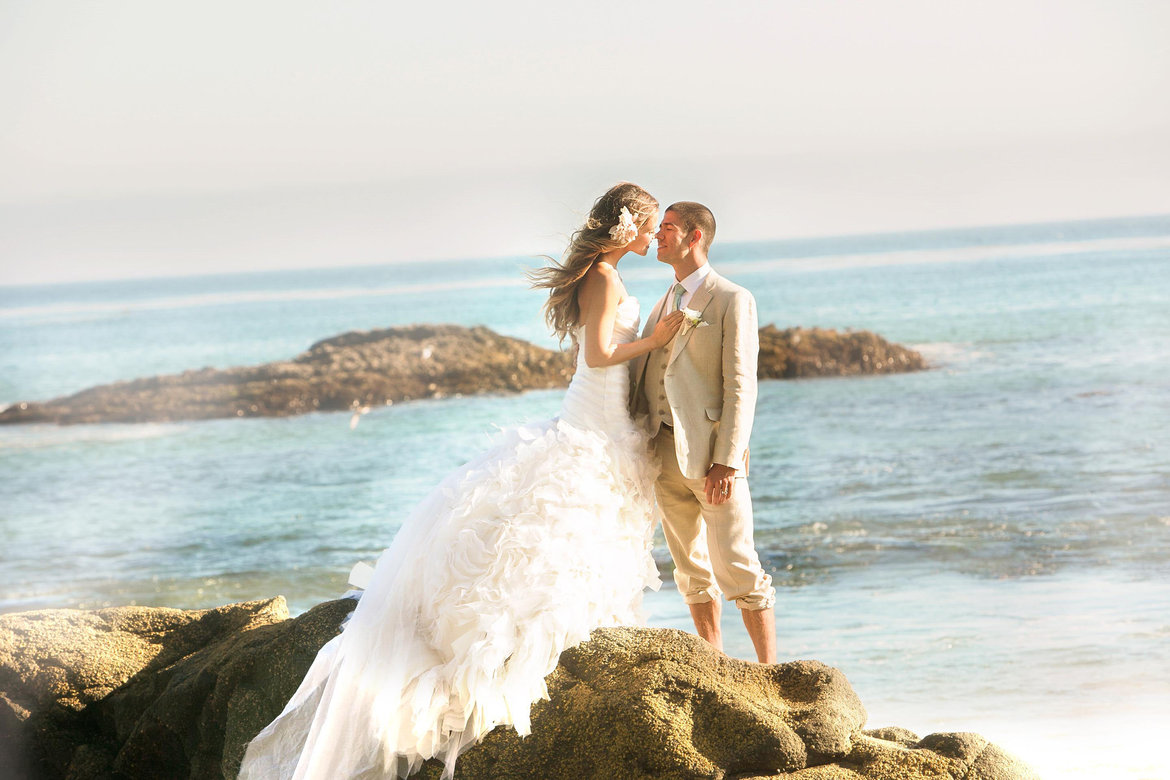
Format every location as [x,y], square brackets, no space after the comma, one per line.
[711,544]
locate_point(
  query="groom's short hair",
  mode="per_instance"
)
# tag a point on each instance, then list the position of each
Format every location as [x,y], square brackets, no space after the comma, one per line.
[696,216]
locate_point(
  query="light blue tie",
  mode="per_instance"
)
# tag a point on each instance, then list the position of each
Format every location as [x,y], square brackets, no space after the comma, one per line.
[678,294]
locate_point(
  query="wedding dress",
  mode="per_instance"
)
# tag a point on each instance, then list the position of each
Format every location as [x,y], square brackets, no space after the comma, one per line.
[514,557]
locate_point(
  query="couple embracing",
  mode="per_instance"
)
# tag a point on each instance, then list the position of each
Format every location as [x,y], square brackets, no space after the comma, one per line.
[527,548]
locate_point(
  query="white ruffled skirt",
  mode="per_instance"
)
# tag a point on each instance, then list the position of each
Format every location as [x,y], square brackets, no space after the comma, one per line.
[515,557]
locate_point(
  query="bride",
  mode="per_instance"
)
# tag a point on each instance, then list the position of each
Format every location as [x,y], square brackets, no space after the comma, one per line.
[513,558]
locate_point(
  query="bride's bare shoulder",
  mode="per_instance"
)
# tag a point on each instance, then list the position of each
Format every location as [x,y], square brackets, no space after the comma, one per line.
[604,271]
[602,282]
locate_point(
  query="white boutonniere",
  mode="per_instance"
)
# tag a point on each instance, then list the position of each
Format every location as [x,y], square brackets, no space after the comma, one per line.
[692,319]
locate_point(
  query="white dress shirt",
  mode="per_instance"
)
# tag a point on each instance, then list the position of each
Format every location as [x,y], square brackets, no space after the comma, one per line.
[691,283]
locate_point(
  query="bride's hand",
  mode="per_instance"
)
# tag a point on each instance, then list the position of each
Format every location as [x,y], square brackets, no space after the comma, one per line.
[666,328]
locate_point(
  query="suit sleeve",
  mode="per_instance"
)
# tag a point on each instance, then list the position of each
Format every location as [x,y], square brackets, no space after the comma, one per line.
[741,349]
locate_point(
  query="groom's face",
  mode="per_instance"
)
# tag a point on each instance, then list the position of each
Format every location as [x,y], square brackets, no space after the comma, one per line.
[672,240]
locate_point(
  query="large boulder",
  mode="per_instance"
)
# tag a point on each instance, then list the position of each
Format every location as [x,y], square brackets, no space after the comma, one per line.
[193,719]
[136,692]
[655,703]
[878,756]
[147,692]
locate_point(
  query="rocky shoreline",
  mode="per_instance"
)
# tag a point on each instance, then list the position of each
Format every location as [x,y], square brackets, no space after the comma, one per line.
[141,692]
[362,369]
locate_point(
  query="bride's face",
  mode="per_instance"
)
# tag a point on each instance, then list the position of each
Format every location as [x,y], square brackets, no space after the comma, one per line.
[641,244]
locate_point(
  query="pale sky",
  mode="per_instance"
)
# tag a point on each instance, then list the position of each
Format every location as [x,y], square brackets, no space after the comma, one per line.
[147,138]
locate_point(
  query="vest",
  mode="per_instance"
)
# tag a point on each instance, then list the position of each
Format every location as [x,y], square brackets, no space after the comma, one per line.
[655,388]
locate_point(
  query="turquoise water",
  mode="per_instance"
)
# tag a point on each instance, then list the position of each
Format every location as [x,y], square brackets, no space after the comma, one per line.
[984,546]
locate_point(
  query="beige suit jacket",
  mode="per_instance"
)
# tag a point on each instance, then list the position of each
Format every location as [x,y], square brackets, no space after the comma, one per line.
[710,378]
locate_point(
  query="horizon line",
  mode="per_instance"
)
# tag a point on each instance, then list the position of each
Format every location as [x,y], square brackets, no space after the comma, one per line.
[774,242]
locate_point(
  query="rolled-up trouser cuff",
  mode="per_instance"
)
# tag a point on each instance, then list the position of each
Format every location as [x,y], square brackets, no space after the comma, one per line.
[754,602]
[702,597]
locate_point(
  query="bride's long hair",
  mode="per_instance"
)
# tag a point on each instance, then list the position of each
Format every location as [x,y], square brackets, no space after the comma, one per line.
[562,278]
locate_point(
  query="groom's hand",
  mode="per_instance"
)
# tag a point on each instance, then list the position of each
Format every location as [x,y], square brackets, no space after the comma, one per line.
[720,483]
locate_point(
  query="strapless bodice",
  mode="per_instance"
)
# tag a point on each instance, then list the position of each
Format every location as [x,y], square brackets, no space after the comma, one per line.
[597,398]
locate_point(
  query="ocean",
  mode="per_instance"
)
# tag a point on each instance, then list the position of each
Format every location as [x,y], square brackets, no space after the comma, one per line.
[984,546]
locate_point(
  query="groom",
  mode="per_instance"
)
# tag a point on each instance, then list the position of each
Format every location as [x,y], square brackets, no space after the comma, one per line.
[699,392]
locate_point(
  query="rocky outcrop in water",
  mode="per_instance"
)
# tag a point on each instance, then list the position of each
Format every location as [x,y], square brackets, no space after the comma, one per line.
[359,370]
[353,370]
[794,353]
[135,692]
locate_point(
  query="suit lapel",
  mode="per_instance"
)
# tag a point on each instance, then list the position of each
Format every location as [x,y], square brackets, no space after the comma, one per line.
[698,303]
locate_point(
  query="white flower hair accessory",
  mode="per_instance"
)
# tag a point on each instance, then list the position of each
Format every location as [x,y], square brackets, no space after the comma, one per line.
[625,230]
[692,319]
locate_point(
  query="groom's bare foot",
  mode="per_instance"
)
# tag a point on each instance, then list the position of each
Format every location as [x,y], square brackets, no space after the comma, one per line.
[706,617]
[761,627]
